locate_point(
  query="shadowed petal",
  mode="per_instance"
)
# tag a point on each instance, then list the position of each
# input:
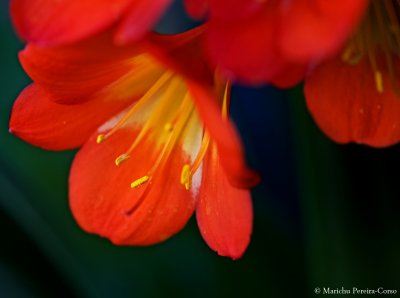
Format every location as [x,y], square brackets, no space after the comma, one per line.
[344,101]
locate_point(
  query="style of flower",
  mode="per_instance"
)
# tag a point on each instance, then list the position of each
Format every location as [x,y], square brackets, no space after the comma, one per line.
[156,141]
[274,41]
[59,22]
[355,97]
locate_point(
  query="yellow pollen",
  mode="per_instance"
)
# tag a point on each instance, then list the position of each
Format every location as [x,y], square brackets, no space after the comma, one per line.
[100,138]
[186,176]
[120,159]
[168,127]
[140,181]
[379,81]
[225,101]
[351,55]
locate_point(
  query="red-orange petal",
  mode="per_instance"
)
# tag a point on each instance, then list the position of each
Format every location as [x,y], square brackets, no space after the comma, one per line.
[247,50]
[225,136]
[290,76]
[40,121]
[344,101]
[315,29]
[234,10]
[73,73]
[224,213]
[64,21]
[227,10]
[103,202]
[197,9]
[140,18]
[277,34]
[183,53]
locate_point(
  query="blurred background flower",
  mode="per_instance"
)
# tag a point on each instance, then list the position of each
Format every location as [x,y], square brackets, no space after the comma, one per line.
[326,215]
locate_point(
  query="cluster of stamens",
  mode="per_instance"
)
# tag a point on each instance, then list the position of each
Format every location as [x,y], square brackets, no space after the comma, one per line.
[167,127]
[378,39]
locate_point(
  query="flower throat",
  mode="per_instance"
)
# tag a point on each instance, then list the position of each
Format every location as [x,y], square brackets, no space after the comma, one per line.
[172,120]
[378,40]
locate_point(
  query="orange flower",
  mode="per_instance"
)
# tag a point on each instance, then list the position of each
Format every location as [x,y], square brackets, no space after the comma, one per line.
[156,141]
[274,41]
[355,96]
[66,21]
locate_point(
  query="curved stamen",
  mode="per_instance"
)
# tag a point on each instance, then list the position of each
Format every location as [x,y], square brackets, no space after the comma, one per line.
[157,115]
[149,94]
[187,170]
[164,155]
[174,136]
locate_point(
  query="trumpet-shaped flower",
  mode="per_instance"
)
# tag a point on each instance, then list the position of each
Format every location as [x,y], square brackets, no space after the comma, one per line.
[156,141]
[274,40]
[355,96]
[66,21]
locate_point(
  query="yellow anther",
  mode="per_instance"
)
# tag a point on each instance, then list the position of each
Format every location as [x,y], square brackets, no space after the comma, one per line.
[225,100]
[351,56]
[140,181]
[120,159]
[168,127]
[100,138]
[379,81]
[186,176]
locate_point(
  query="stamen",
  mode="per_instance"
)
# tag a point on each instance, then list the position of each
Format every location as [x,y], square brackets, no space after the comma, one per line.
[202,152]
[173,137]
[186,176]
[156,115]
[379,41]
[351,55]
[379,81]
[390,40]
[153,90]
[370,46]
[100,138]
[187,106]
[120,159]
[225,101]
[188,171]
[394,25]
[168,127]
[140,181]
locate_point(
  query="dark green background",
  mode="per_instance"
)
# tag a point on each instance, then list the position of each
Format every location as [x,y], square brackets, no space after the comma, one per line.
[325,215]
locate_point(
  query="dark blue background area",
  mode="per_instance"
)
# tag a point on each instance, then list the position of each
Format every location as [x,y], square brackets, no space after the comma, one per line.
[262,119]
[326,215]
